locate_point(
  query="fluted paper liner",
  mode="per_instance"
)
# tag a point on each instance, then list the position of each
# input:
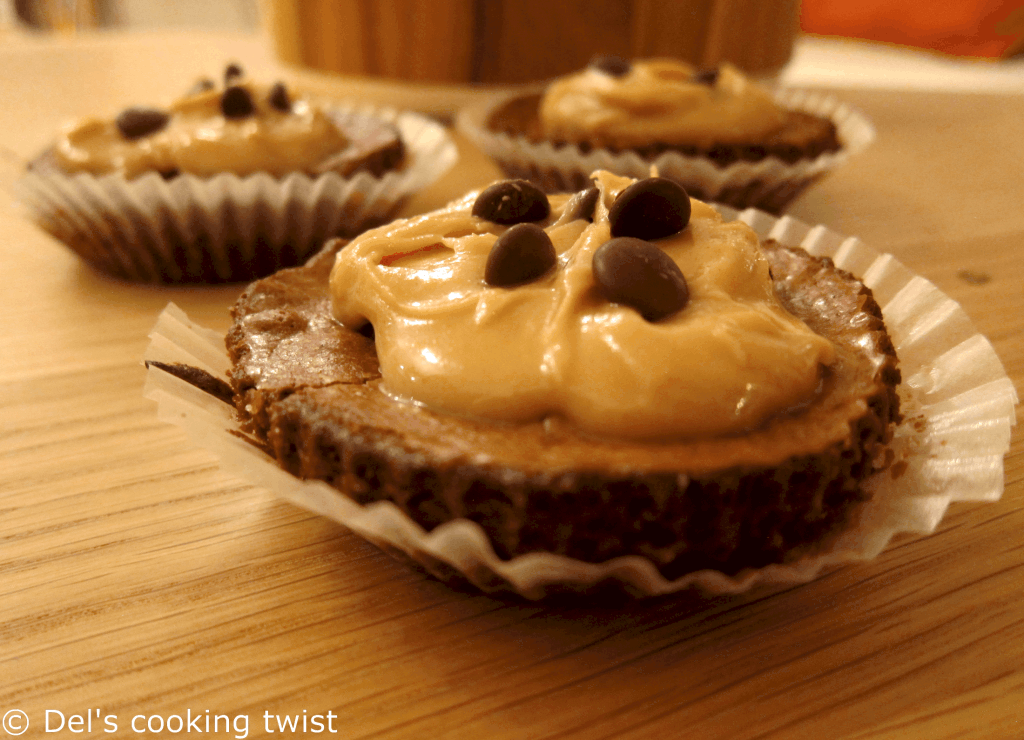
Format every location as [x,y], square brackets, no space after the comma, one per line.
[957,401]
[228,227]
[769,184]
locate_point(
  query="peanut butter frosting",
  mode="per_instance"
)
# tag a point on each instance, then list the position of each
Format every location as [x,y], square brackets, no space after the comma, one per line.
[658,100]
[556,349]
[196,137]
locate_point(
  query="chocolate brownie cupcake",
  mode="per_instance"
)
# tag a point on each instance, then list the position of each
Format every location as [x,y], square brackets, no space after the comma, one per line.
[231,182]
[717,133]
[610,373]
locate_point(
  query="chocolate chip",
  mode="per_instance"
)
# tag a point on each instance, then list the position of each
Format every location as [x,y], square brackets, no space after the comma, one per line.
[236,102]
[367,331]
[520,255]
[582,204]
[650,209]
[638,274]
[611,65]
[201,86]
[134,123]
[279,97]
[512,202]
[170,174]
[231,73]
[706,77]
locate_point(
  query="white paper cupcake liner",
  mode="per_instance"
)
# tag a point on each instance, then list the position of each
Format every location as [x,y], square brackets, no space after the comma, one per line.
[769,184]
[227,228]
[958,404]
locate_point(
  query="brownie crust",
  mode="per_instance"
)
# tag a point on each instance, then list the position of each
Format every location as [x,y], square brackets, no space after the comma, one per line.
[308,390]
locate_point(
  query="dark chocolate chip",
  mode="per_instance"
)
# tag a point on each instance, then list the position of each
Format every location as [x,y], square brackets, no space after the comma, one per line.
[201,86]
[134,123]
[650,209]
[236,102]
[279,97]
[512,202]
[707,77]
[520,255]
[611,65]
[582,204]
[231,73]
[638,274]
[170,174]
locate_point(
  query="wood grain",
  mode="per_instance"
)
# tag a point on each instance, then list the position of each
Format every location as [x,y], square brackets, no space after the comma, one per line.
[136,578]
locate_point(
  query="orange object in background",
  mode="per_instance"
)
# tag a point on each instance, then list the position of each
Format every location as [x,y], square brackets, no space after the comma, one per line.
[974,28]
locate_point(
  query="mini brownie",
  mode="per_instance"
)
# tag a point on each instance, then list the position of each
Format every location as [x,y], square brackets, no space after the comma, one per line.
[720,135]
[309,390]
[272,177]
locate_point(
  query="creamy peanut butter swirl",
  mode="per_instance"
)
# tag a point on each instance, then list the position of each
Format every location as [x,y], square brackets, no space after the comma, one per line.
[556,349]
[199,140]
[658,100]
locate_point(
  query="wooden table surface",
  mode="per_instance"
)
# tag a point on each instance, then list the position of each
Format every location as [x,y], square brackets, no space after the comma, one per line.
[138,579]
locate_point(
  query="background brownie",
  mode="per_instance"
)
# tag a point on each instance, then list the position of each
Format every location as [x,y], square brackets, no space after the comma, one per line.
[235,208]
[765,169]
